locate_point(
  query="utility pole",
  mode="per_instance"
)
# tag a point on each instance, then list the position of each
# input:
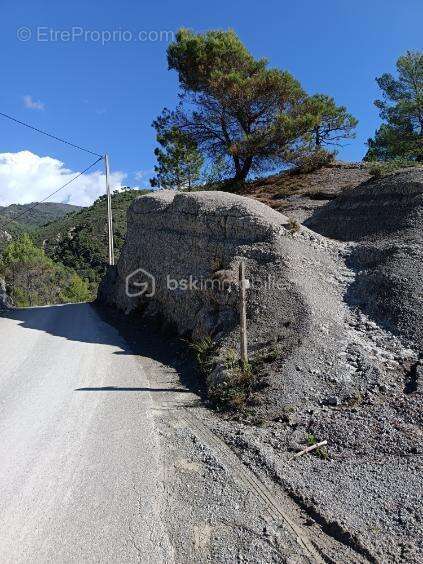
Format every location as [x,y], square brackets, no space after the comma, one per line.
[109,211]
[243,314]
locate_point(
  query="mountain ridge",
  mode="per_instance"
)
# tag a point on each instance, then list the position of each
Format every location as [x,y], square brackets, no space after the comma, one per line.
[13,223]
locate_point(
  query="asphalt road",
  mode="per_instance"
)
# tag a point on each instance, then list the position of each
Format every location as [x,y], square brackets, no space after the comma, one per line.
[80,470]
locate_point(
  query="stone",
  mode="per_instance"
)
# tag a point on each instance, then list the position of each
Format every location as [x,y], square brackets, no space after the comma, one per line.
[5,301]
[189,246]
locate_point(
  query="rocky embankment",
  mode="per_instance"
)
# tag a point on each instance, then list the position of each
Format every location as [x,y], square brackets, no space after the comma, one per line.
[384,219]
[192,244]
[4,298]
[335,318]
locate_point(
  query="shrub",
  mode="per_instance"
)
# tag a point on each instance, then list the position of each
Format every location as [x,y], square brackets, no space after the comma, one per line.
[293,225]
[313,161]
[235,392]
[203,350]
[378,169]
[233,384]
[321,452]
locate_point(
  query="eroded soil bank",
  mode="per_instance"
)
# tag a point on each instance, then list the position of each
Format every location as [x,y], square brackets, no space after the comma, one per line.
[338,335]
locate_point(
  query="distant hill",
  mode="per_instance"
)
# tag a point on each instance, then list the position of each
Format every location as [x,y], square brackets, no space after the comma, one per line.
[80,240]
[28,222]
[42,214]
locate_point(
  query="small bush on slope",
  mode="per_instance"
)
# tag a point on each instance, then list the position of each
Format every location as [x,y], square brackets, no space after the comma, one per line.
[381,168]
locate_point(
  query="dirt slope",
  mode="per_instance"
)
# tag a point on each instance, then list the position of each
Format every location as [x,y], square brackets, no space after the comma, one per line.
[385,219]
[340,329]
[298,195]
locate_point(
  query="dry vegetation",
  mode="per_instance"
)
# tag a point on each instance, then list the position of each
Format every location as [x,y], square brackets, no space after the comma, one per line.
[323,184]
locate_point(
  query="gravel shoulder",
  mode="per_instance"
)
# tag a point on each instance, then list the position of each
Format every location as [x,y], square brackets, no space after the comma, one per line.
[224,502]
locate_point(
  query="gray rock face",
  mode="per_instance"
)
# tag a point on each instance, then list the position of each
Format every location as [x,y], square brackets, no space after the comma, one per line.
[189,247]
[4,298]
[373,210]
[5,238]
[385,219]
[192,244]
[304,300]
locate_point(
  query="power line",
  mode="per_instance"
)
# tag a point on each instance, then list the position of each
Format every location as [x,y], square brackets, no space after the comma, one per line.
[52,194]
[49,135]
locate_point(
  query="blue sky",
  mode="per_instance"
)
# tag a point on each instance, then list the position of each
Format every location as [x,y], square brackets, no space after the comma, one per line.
[106,96]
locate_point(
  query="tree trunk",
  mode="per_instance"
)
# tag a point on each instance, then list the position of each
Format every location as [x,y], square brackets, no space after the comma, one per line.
[245,169]
[241,171]
[317,138]
[237,165]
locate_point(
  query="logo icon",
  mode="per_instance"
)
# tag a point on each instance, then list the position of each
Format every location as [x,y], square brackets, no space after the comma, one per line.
[140,283]
[24,33]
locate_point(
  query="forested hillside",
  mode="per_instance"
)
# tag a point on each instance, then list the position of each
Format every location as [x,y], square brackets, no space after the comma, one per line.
[52,256]
[33,279]
[79,240]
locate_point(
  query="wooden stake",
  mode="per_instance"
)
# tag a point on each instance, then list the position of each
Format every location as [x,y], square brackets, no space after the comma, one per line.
[243,314]
[310,448]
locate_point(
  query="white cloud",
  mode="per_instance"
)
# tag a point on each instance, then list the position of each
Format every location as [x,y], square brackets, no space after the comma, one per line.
[31,104]
[143,176]
[26,177]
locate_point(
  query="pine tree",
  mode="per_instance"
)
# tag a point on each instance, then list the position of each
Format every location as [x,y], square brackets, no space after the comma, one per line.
[334,122]
[179,162]
[401,136]
[239,111]
[232,105]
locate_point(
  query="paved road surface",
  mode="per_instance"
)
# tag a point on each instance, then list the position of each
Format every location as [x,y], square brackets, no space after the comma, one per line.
[80,473]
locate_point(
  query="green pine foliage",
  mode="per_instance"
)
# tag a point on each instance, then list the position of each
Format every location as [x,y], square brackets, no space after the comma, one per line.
[378,169]
[33,279]
[334,123]
[237,111]
[79,240]
[401,109]
[179,161]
